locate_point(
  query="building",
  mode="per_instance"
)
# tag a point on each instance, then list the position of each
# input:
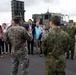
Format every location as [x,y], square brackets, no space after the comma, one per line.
[17,8]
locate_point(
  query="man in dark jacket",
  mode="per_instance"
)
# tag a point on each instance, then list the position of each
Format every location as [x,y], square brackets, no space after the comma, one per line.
[30,28]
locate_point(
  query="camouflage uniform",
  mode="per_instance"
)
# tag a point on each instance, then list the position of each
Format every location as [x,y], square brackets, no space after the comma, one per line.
[54,45]
[71,30]
[63,28]
[17,36]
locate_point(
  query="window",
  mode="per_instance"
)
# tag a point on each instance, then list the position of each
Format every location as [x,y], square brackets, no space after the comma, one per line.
[46,16]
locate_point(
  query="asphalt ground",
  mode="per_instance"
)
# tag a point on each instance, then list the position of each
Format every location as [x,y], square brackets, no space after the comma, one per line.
[36,67]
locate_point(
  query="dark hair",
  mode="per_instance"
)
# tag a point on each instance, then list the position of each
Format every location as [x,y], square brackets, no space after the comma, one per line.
[0,26]
[1,31]
[56,20]
[30,20]
[4,24]
[17,19]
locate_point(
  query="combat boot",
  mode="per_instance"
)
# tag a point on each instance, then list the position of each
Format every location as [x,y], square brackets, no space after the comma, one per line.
[72,57]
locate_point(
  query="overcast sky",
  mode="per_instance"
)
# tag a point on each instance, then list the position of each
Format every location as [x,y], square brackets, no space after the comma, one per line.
[39,6]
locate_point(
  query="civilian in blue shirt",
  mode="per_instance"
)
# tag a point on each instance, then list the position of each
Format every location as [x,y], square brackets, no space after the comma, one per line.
[38,31]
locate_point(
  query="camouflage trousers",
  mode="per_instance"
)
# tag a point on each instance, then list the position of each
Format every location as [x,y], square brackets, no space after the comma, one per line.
[72,49]
[23,61]
[55,66]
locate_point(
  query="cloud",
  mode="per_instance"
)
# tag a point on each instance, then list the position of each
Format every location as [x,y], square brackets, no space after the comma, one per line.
[50,1]
[39,6]
[5,5]
[5,17]
[29,3]
[68,7]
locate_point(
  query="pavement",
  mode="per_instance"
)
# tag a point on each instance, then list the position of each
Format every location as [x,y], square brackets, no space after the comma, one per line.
[36,67]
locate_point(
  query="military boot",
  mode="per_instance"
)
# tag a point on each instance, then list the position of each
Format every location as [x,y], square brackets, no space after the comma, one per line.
[72,57]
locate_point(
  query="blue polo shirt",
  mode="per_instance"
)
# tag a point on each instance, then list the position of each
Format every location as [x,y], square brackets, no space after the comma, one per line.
[38,30]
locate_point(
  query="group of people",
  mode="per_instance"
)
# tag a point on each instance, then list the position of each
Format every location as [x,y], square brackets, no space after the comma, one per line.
[53,43]
[23,39]
[4,47]
[38,31]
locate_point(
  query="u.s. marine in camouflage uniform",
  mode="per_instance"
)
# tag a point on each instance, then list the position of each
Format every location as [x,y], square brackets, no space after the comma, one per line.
[71,30]
[17,36]
[54,45]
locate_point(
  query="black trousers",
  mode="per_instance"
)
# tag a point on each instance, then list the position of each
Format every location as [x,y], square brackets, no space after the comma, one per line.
[0,50]
[40,47]
[6,46]
[30,46]
[0,45]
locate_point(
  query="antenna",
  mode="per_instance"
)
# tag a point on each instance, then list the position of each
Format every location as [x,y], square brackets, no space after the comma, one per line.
[48,6]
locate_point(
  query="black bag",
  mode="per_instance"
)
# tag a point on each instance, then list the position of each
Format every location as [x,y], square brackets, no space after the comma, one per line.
[40,36]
